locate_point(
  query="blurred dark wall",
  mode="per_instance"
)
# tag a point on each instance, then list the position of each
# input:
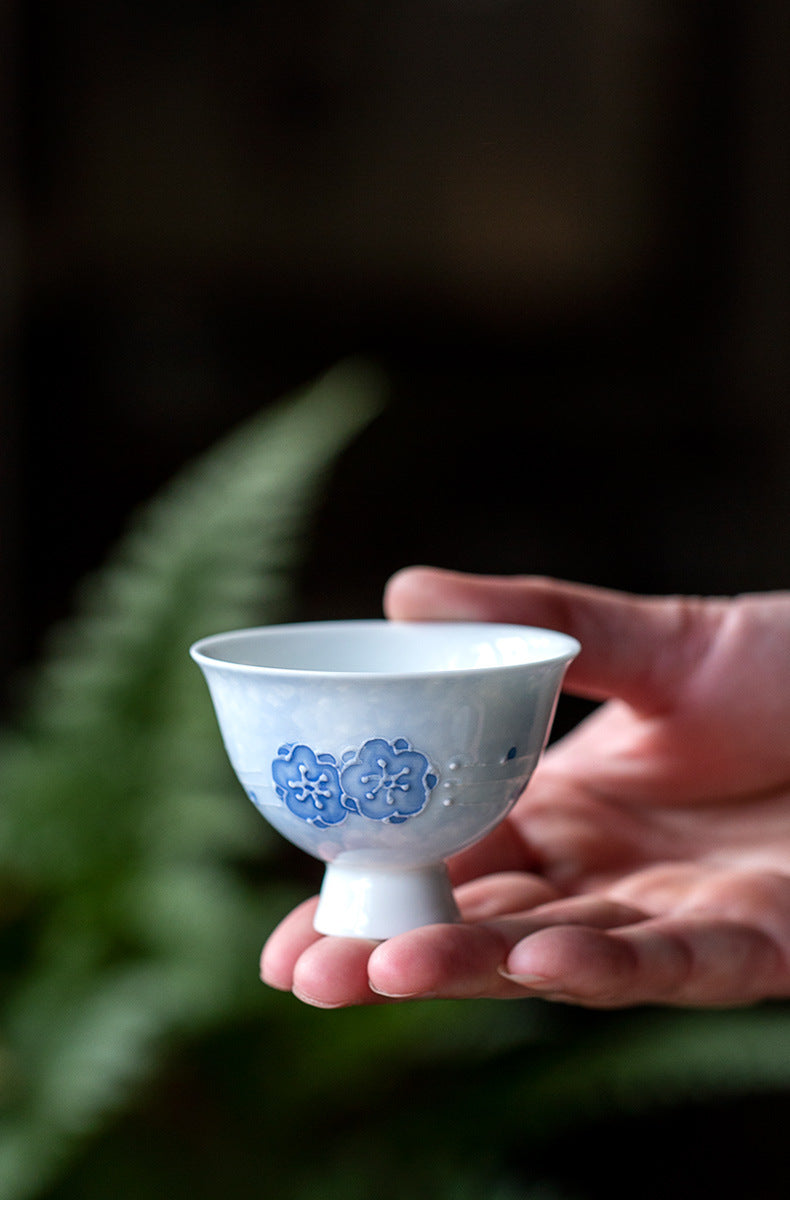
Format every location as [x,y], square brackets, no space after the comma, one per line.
[562,228]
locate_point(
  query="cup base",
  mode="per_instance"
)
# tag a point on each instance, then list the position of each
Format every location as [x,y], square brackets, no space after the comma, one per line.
[376,904]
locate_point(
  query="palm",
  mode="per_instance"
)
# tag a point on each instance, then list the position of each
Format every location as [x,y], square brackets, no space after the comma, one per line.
[604,806]
[649,859]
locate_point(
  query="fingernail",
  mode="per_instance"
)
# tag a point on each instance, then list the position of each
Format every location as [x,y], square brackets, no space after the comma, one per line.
[377,990]
[319,1003]
[537,980]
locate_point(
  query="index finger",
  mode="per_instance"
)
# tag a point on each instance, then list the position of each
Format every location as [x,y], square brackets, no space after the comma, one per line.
[635,648]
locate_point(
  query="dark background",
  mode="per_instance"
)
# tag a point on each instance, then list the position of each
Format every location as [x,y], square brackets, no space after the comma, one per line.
[562,228]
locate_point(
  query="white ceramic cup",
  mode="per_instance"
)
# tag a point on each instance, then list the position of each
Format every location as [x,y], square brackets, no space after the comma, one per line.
[384,748]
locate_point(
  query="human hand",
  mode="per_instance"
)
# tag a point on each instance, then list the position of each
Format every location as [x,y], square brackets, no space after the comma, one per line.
[648,860]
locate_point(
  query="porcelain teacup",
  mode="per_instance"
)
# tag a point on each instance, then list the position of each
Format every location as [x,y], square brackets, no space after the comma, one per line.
[384,748]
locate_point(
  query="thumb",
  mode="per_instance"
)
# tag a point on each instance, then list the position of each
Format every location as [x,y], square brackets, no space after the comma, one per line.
[638,649]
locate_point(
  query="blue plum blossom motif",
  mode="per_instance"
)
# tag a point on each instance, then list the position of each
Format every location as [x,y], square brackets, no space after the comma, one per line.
[383,781]
[387,782]
[309,785]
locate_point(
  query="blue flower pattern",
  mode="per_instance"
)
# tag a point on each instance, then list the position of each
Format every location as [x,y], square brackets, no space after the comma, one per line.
[386,781]
[309,785]
[382,781]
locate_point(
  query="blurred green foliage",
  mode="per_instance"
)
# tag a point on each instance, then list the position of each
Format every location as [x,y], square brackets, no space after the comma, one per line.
[140,1057]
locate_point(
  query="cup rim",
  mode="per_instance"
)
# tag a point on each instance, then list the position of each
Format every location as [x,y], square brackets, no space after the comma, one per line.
[568,648]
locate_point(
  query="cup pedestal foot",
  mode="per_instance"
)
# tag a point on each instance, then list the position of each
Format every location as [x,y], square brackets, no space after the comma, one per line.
[376,903]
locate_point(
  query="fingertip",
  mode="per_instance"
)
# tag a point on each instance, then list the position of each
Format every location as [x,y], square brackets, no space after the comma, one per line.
[269,977]
[286,944]
[333,973]
[397,970]
[404,590]
[502,893]
[583,964]
[275,969]
[424,592]
[448,961]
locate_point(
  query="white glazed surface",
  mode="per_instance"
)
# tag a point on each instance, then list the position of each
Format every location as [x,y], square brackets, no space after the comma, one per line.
[445,723]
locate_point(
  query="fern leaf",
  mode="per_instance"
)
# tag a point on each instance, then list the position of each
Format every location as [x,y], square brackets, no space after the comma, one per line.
[114,711]
[119,812]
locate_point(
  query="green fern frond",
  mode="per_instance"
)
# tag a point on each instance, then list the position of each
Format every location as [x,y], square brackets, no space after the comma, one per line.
[119,813]
[114,710]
